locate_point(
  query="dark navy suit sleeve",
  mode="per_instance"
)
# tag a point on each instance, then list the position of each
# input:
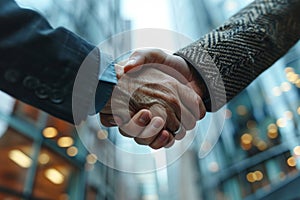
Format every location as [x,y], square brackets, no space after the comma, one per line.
[39,64]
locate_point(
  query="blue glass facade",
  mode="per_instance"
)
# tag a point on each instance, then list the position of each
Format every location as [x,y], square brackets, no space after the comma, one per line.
[41,156]
[256,156]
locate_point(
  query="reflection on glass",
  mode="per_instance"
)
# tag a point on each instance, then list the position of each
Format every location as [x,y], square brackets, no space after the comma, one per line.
[15,150]
[53,174]
[26,112]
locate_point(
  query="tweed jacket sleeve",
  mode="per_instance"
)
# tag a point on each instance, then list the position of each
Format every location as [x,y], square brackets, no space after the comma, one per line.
[230,57]
[39,64]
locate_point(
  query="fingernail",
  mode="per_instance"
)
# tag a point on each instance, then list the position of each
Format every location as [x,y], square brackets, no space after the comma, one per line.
[163,137]
[157,123]
[144,118]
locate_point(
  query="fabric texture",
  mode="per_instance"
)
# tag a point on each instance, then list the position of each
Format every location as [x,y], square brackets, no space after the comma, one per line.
[39,64]
[230,57]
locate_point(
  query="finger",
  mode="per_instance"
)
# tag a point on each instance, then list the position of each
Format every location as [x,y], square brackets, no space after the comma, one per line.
[140,57]
[144,141]
[109,120]
[170,117]
[181,66]
[119,69]
[137,124]
[192,101]
[181,134]
[170,143]
[135,60]
[187,119]
[150,132]
[161,140]
[178,66]
[153,128]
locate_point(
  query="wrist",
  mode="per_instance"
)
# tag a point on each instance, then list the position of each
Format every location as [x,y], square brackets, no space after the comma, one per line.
[199,86]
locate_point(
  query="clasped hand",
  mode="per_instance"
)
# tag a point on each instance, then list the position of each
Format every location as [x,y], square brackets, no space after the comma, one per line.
[157,96]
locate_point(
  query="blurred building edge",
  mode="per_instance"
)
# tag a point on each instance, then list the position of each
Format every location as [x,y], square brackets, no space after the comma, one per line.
[41,156]
[257,155]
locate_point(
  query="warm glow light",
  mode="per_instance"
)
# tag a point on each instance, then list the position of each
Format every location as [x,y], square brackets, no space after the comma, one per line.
[251,177]
[102,134]
[297,150]
[272,126]
[285,86]
[91,159]
[288,69]
[246,138]
[291,162]
[297,83]
[50,132]
[228,114]
[292,77]
[259,175]
[54,176]
[65,142]
[298,110]
[272,131]
[288,115]
[246,146]
[262,145]
[72,151]
[20,158]
[254,176]
[213,167]
[272,134]
[241,110]
[44,158]
[281,122]
[276,91]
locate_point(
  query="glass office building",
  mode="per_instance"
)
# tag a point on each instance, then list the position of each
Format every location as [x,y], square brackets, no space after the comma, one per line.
[257,154]
[254,156]
[41,156]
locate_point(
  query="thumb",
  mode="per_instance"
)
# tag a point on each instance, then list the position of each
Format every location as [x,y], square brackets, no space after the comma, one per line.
[134,62]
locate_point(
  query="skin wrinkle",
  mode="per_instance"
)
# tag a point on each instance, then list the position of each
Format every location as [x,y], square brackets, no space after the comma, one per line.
[151,94]
[159,89]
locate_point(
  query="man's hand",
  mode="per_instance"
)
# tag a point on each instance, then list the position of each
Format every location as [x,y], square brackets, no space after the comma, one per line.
[146,56]
[171,103]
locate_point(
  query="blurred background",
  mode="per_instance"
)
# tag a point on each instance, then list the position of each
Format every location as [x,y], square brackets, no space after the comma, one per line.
[255,157]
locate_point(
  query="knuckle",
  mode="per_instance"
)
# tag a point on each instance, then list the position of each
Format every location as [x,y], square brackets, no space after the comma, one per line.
[124,133]
[139,141]
[202,113]
[155,146]
[156,52]
[200,108]
[190,124]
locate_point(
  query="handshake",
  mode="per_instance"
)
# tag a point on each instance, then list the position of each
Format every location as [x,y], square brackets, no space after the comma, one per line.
[157,99]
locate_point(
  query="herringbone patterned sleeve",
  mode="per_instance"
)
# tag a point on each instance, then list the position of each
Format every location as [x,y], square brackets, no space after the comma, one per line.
[230,57]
